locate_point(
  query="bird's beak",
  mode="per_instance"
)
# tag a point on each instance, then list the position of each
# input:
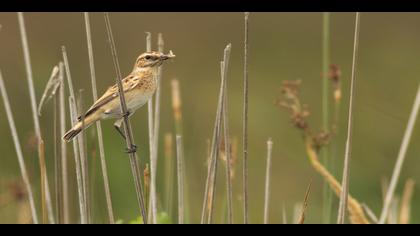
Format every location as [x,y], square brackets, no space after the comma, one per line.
[170,55]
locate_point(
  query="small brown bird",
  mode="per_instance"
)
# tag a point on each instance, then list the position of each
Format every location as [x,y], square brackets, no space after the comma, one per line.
[139,86]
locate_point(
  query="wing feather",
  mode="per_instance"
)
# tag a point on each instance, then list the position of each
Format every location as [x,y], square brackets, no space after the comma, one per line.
[111,93]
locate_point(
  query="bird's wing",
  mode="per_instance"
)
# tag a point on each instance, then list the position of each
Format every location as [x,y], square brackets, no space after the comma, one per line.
[111,93]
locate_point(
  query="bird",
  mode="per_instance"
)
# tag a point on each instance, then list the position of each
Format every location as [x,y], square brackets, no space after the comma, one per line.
[138,87]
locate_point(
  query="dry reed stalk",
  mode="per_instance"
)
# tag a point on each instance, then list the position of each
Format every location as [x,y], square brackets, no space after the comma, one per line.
[127,126]
[355,209]
[177,112]
[83,159]
[268,180]
[370,213]
[57,168]
[63,147]
[216,138]
[79,178]
[98,124]
[169,171]
[245,122]
[180,174]
[155,135]
[44,178]
[18,149]
[76,143]
[305,205]
[224,70]
[347,156]
[405,209]
[401,157]
[152,151]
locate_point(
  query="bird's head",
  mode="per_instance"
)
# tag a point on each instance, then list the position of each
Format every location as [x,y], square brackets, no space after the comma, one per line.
[152,59]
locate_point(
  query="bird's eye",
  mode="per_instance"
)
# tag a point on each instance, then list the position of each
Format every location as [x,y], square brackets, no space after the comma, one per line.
[148,57]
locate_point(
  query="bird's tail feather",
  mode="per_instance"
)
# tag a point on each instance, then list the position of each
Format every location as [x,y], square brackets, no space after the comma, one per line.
[71,134]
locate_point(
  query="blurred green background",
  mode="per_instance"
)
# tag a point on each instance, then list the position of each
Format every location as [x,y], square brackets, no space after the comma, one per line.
[283,46]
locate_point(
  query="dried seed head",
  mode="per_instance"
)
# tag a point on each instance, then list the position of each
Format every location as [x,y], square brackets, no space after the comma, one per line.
[321,139]
[290,100]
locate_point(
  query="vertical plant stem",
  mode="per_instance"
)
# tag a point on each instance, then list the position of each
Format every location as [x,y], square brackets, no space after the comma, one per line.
[169,172]
[98,124]
[245,123]
[156,132]
[211,175]
[76,147]
[327,193]
[83,159]
[268,180]
[346,171]
[57,169]
[400,159]
[28,67]
[177,111]
[224,68]
[153,162]
[18,149]
[79,179]
[63,148]
[127,125]
[180,174]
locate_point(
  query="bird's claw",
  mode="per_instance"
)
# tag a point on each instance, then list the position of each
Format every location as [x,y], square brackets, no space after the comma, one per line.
[132,149]
[127,114]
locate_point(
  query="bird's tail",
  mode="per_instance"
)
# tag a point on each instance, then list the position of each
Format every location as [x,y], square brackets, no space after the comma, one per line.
[72,133]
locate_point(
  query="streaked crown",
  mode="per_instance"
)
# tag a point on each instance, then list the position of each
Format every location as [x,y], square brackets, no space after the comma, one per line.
[152,59]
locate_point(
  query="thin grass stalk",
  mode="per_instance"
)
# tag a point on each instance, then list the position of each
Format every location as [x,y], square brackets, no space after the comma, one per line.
[221,109]
[215,145]
[28,68]
[268,180]
[304,205]
[207,185]
[57,169]
[370,214]
[401,158]
[327,193]
[169,171]
[77,160]
[346,171]
[153,162]
[127,125]
[79,178]
[224,67]
[245,122]
[180,174]
[155,137]
[177,111]
[18,149]
[83,159]
[63,147]
[98,124]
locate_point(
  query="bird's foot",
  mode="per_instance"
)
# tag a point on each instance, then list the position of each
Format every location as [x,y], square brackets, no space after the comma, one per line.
[127,114]
[132,149]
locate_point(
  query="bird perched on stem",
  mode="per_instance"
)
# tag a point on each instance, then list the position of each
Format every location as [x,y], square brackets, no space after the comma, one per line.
[139,86]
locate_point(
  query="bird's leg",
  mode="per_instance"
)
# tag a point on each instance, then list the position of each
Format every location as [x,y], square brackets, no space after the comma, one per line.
[117,126]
